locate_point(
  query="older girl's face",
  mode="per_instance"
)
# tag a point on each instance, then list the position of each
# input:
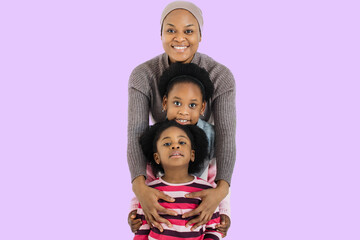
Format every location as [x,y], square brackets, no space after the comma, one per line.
[180,36]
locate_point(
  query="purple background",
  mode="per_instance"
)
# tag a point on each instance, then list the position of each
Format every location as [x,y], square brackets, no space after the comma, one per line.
[63,102]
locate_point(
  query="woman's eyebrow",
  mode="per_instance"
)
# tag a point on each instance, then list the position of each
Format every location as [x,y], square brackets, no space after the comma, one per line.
[172,25]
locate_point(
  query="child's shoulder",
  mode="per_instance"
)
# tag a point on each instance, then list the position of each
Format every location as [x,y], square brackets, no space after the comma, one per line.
[205,126]
[201,181]
[155,182]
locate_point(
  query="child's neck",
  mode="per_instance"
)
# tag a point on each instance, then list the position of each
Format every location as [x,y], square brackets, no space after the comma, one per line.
[176,176]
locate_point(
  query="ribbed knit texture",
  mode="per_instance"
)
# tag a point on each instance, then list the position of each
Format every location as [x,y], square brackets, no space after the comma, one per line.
[144,97]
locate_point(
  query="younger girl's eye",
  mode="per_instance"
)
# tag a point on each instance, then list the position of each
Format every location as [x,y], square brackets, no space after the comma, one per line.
[177,103]
[192,105]
[182,142]
[167,144]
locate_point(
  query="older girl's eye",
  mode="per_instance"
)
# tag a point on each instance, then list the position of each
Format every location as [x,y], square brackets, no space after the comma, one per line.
[192,105]
[177,103]
[182,142]
[189,31]
[167,144]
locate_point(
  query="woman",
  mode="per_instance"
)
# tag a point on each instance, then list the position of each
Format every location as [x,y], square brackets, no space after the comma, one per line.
[181,25]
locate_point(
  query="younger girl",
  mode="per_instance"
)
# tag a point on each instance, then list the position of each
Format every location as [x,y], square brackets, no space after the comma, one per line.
[177,151]
[185,90]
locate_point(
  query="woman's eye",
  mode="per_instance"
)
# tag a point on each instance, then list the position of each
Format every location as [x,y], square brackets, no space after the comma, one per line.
[177,103]
[192,105]
[170,30]
[189,31]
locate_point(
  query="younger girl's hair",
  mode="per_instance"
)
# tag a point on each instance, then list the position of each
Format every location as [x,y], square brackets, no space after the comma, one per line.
[199,144]
[190,72]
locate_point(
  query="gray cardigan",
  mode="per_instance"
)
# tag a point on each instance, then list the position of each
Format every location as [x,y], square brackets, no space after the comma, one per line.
[144,98]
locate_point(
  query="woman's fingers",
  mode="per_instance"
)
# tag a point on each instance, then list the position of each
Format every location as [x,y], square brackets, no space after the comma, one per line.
[165,197]
[200,194]
[204,219]
[160,219]
[153,223]
[167,211]
[194,212]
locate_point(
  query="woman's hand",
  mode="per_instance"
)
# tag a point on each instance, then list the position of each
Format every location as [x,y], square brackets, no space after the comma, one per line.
[134,223]
[224,225]
[210,200]
[148,198]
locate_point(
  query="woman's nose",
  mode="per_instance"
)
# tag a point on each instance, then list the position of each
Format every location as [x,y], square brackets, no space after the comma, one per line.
[179,36]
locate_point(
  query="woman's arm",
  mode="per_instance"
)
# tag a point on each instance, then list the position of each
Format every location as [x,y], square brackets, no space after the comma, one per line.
[138,122]
[225,128]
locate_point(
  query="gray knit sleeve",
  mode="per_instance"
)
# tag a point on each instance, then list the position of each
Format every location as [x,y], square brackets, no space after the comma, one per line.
[224,112]
[138,121]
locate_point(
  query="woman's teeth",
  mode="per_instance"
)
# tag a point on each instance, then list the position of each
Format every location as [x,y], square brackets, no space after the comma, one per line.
[179,48]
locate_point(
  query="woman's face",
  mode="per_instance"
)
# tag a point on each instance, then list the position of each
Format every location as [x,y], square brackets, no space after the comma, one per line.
[180,36]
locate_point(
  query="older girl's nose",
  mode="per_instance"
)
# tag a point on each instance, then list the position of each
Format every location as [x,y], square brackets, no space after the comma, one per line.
[183,110]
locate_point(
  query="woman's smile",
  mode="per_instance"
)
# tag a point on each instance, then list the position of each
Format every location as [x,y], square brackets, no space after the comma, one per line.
[180,48]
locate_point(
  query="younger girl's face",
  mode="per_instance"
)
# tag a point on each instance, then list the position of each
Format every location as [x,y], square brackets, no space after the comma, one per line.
[174,149]
[184,103]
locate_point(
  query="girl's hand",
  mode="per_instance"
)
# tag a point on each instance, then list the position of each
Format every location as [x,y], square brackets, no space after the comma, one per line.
[211,199]
[148,198]
[134,223]
[224,225]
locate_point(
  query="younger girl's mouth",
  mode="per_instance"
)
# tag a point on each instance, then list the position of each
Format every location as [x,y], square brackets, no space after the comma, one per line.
[176,154]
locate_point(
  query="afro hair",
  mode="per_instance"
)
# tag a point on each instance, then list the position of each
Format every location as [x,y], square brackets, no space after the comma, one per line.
[199,143]
[179,72]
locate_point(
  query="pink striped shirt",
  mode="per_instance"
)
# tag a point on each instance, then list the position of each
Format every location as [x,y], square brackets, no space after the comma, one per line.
[181,205]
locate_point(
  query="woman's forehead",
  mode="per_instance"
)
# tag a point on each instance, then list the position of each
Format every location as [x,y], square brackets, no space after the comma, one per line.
[180,16]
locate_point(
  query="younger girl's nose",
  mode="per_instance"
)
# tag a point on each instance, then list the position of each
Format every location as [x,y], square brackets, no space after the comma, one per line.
[175,146]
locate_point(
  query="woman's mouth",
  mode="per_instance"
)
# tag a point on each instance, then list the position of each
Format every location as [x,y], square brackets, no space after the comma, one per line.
[180,48]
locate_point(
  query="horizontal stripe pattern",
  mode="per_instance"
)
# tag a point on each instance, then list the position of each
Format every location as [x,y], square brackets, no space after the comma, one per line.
[178,231]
